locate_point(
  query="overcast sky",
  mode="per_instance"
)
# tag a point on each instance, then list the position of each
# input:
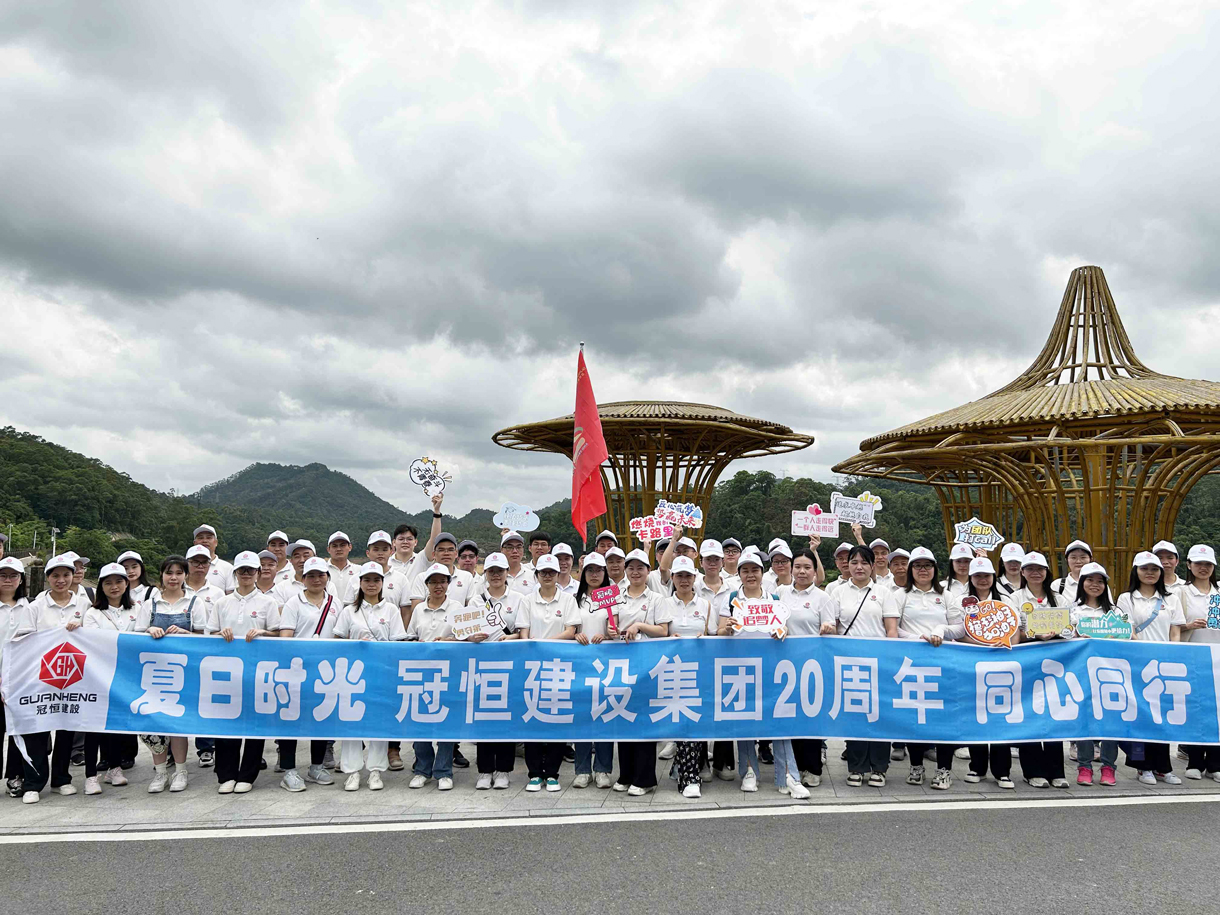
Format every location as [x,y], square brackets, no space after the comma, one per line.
[357,233]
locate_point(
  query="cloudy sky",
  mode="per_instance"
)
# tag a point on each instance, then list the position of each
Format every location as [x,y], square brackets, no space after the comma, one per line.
[357,232]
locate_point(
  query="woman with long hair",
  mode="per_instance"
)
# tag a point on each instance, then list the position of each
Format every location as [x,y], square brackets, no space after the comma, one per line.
[594,761]
[1093,601]
[1196,594]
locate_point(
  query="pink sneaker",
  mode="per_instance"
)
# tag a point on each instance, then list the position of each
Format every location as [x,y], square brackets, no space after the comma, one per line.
[1084,775]
[1107,775]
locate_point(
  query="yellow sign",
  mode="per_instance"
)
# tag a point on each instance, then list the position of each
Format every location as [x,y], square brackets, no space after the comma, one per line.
[1047,620]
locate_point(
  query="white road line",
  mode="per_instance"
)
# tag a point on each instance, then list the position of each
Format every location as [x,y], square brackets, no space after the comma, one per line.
[322,829]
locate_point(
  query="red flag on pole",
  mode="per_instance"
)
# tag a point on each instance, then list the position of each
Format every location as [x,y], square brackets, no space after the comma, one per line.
[588,452]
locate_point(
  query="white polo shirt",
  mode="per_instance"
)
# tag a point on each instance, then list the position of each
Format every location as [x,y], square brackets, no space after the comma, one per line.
[546,619]
[510,604]
[1194,606]
[302,617]
[718,600]
[923,613]
[289,588]
[410,568]
[114,619]
[1154,614]
[206,599]
[861,611]
[460,583]
[255,610]
[807,609]
[220,574]
[371,622]
[45,613]
[430,625]
[1068,587]
[686,620]
[345,581]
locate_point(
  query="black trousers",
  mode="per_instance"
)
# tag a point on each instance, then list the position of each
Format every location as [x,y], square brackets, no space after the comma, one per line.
[54,765]
[288,753]
[126,746]
[722,755]
[12,762]
[944,754]
[104,744]
[866,756]
[495,757]
[235,763]
[1156,757]
[1205,759]
[997,755]
[808,755]
[1041,760]
[637,763]
[542,760]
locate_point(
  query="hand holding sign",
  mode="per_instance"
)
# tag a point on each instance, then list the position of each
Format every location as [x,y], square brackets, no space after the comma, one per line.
[991,622]
[752,615]
[978,534]
[605,599]
[1112,625]
[1047,621]
[650,528]
[1213,612]
[686,514]
[425,472]
[858,510]
[516,517]
[813,522]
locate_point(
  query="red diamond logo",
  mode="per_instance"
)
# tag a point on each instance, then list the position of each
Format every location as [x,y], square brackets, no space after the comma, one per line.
[62,666]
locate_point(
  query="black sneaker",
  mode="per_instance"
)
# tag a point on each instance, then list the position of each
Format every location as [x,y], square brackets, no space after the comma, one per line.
[764,753]
[569,753]
[16,787]
[78,759]
[128,763]
[460,761]
[206,758]
[262,764]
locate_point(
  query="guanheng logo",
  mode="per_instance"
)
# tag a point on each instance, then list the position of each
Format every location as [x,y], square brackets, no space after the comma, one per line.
[62,666]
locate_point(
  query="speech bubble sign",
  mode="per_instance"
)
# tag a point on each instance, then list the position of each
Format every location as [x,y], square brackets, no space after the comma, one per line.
[1047,620]
[977,533]
[650,528]
[481,616]
[426,472]
[991,622]
[605,599]
[813,522]
[516,517]
[760,615]
[686,514]
[855,509]
[1111,625]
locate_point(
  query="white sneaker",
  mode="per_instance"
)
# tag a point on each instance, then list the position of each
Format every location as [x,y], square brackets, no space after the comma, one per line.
[500,781]
[178,782]
[66,790]
[691,791]
[705,774]
[942,780]
[375,783]
[1072,751]
[972,778]
[319,776]
[811,779]
[796,789]
[30,797]
[243,787]
[637,791]
[1215,776]
[1042,783]
[352,783]
[444,784]
[159,780]
[1170,779]
[619,786]
[749,781]
[668,750]
[226,787]
[484,782]
[1147,778]
[1006,783]
[1194,774]
[116,777]
[92,786]
[602,779]
[961,753]
[582,780]
[417,781]
[292,781]
[915,776]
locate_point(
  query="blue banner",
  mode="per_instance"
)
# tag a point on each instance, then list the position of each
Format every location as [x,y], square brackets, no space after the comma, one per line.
[722,688]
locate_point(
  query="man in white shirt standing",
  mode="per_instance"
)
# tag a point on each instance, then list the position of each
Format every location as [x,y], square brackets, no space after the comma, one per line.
[277,543]
[512,545]
[406,561]
[444,549]
[881,563]
[220,573]
[1077,554]
[604,541]
[397,590]
[540,545]
[468,557]
[344,575]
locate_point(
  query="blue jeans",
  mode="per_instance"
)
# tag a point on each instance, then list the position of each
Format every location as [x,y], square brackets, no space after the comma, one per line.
[1109,753]
[785,762]
[600,755]
[432,763]
[747,757]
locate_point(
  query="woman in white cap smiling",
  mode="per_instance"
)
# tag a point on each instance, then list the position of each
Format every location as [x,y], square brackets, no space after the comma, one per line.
[899,564]
[12,601]
[370,618]
[310,613]
[246,614]
[1093,601]
[1077,554]
[780,573]
[1197,595]
[1011,557]
[598,622]
[1167,553]
[430,622]
[137,577]
[688,618]
[566,582]
[496,759]
[1156,616]
[959,570]
[881,563]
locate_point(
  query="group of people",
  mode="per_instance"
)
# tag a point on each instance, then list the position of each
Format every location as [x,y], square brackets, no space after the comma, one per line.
[678,588]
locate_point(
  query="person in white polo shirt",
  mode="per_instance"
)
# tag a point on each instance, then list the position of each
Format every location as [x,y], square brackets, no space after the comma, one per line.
[604,541]
[840,558]
[714,588]
[539,545]
[405,560]
[200,576]
[881,563]
[277,543]
[137,577]
[299,555]
[220,573]
[780,573]
[430,622]
[1011,556]
[688,616]
[468,557]
[548,613]
[512,545]
[899,563]
[1167,553]
[12,602]
[444,551]
[593,760]
[732,553]
[344,575]
[1195,596]
[370,617]
[958,580]
[1077,554]
[565,583]
[310,613]
[616,566]
[397,590]
[245,615]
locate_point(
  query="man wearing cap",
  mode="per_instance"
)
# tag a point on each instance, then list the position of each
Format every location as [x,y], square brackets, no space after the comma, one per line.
[540,545]
[565,583]
[616,567]
[265,581]
[444,551]
[298,555]
[882,576]
[1168,554]
[512,545]
[604,541]
[79,565]
[1077,554]
[900,559]
[468,557]
[407,561]
[732,553]
[344,575]
[1011,556]
[220,572]
[840,558]
[277,543]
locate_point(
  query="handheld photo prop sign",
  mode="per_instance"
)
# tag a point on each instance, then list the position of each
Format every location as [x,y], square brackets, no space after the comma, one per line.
[991,622]
[1112,625]
[687,514]
[760,615]
[605,599]
[425,473]
[1047,620]
[855,510]
[514,517]
[650,528]
[813,522]
[977,533]
[1213,612]
[484,616]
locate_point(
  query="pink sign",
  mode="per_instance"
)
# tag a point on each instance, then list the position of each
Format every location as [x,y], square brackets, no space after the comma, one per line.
[605,599]
[650,528]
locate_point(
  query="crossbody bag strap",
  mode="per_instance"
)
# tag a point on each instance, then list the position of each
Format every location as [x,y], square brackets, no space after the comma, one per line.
[322,616]
[858,609]
[1160,602]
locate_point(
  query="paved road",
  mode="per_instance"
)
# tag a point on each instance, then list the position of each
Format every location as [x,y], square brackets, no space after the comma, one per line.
[1146,857]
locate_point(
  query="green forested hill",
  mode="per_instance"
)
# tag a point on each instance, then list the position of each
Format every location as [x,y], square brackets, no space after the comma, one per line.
[289,490]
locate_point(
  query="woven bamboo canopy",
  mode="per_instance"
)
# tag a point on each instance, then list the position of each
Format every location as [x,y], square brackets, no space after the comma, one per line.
[660,450]
[1088,442]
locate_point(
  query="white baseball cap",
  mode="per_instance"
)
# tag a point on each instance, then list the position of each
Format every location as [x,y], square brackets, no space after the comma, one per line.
[111,568]
[878,542]
[204,528]
[1037,559]
[1078,545]
[379,537]
[61,561]
[546,561]
[302,545]
[70,556]
[315,564]
[615,551]
[597,559]
[12,562]
[750,556]
[436,569]
[372,568]
[605,534]
[495,561]
[1201,552]
[337,535]
[1165,545]
[682,564]
[278,535]
[981,565]
[199,550]
[246,560]
[1012,552]
[130,554]
[961,551]
[922,552]
[641,556]
[774,543]
[1145,558]
[510,536]
[711,548]
[1094,568]
[899,553]
[780,549]
[842,548]
[561,549]
[687,542]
